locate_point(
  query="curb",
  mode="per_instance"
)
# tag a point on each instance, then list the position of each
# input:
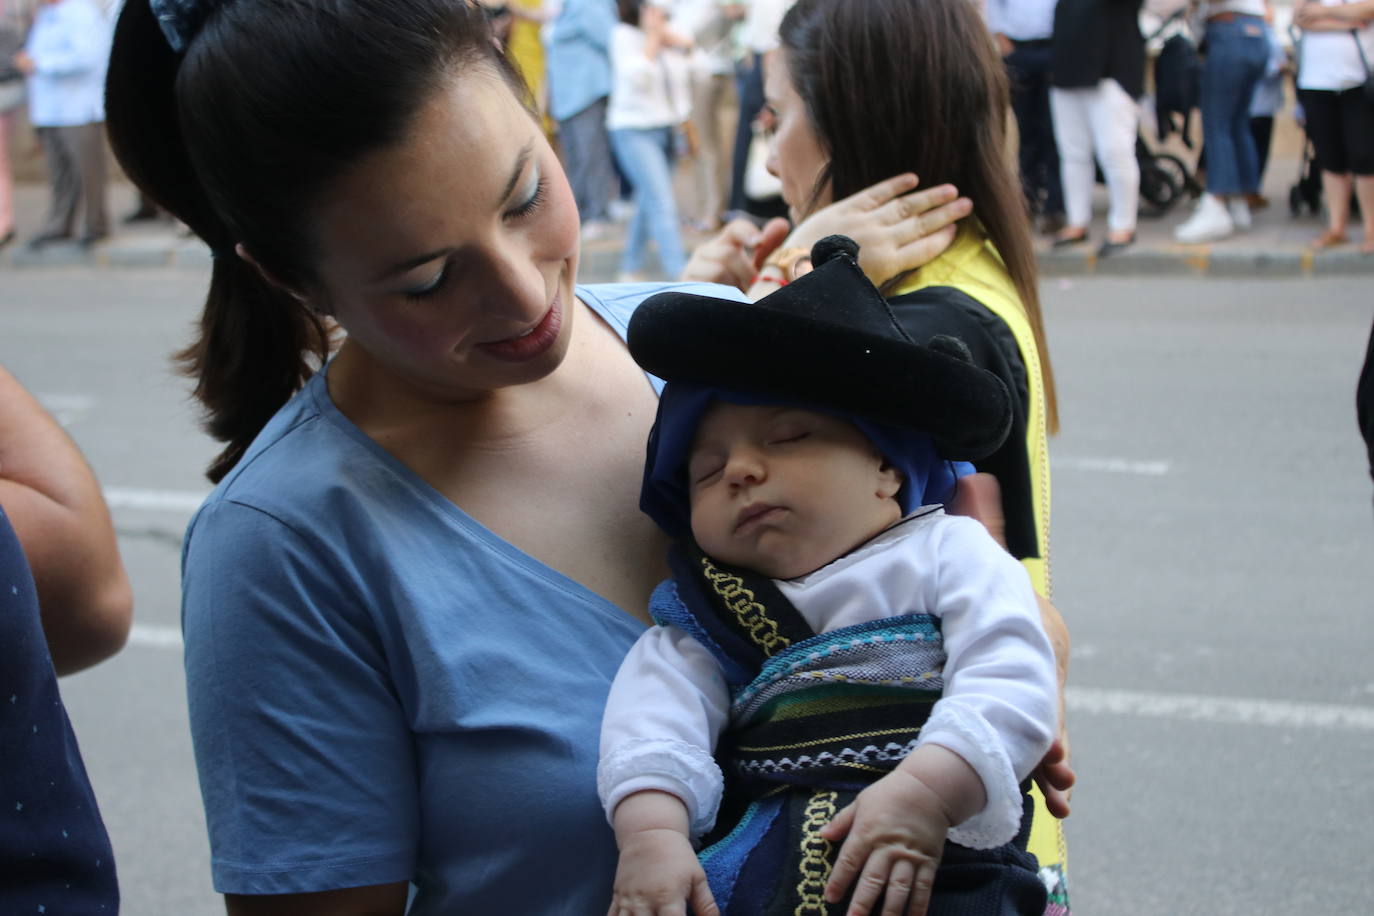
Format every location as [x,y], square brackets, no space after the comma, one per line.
[1206,261]
[599,260]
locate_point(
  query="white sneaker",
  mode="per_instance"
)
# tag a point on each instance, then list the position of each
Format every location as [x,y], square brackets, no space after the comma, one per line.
[1210,222]
[1239,209]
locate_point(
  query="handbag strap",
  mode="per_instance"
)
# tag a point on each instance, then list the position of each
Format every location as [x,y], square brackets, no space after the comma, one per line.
[1359,46]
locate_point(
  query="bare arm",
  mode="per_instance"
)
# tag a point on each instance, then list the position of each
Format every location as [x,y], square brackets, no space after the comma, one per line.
[374,900]
[55,504]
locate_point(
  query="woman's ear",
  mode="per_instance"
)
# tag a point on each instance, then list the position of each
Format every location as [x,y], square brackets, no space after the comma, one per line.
[890,480]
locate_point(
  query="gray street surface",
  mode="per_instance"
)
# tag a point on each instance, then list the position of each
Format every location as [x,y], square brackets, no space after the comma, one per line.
[1213,554]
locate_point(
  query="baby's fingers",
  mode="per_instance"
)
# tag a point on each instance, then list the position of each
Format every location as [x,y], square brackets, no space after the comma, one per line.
[850,859]
[839,825]
[703,904]
[869,888]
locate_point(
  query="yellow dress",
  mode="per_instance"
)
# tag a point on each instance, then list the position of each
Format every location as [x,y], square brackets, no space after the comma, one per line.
[973,266]
[526,52]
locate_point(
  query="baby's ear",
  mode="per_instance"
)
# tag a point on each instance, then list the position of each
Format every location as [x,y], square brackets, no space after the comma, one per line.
[890,479]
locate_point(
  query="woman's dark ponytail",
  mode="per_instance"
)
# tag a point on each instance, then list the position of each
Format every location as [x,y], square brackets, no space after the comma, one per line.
[257,345]
[242,133]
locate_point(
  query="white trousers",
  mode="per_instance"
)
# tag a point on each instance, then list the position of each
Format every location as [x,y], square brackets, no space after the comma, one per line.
[1102,120]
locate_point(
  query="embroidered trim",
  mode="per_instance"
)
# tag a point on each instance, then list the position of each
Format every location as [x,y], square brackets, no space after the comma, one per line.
[751,614]
[815,855]
[867,756]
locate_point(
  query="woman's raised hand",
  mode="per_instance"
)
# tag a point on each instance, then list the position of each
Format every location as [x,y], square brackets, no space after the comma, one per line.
[733,255]
[898,228]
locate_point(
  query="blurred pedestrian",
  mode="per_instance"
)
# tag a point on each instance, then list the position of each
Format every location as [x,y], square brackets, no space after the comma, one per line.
[1236,53]
[1023,30]
[1099,73]
[1266,103]
[579,73]
[758,36]
[1333,70]
[65,604]
[710,24]
[650,90]
[65,59]
[12,29]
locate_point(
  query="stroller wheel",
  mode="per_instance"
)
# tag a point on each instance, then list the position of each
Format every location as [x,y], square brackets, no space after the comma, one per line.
[1160,189]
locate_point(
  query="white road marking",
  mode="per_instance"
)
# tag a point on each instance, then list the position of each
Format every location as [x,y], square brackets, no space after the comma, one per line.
[1190,707]
[155,637]
[1111,466]
[66,408]
[157,500]
[1221,710]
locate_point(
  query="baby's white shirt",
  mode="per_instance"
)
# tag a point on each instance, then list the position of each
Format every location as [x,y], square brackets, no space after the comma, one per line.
[999,709]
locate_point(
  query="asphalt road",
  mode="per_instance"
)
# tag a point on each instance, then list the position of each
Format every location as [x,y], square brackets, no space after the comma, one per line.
[1213,553]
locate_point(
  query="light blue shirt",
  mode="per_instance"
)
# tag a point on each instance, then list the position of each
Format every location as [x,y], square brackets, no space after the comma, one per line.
[70,47]
[579,56]
[1021,20]
[383,690]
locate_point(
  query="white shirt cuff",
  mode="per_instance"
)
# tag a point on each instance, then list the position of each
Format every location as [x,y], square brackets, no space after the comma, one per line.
[963,731]
[666,765]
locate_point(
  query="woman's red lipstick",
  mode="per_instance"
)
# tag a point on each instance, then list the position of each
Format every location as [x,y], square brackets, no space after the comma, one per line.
[532,343]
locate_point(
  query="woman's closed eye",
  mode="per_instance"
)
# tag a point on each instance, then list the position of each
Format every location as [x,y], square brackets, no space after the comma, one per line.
[430,288]
[531,203]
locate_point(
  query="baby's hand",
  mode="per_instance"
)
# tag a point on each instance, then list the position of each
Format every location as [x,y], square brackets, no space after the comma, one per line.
[896,834]
[658,873]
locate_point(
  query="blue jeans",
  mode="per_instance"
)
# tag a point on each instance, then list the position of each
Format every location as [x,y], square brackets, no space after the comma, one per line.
[1237,53]
[587,160]
[645,155]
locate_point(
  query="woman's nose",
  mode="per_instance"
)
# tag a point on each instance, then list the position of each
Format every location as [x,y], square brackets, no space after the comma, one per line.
[517,284]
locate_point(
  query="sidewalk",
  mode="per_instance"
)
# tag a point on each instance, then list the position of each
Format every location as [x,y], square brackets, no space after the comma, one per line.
[1275,246]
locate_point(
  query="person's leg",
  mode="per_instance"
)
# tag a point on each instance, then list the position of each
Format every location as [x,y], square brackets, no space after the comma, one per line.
[1115,119]
[1229,75]
[1029,68]
[1322,110]
[1357,124]
[1262,132]
[6,182]
[88,140]
[1074,139]
[63,183]
[708,95]
[643,154]
[585,155]
[626,147]
[1021,105]
[749,85]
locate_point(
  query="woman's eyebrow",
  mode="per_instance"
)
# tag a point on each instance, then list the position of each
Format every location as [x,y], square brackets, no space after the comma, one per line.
[521,160]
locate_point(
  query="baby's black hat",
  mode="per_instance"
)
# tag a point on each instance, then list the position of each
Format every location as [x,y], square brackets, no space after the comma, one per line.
[830,340]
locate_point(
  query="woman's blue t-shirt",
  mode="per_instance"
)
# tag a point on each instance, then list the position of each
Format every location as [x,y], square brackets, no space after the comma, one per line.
[383,690]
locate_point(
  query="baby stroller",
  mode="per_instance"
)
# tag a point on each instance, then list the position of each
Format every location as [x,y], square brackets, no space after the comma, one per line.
[1307,193]
[1164,177]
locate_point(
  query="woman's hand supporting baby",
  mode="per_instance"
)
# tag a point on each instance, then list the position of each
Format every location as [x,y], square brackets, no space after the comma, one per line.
[894,832]
[658,873]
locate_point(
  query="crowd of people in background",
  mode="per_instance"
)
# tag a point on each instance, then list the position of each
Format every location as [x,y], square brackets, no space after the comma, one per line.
[658,112]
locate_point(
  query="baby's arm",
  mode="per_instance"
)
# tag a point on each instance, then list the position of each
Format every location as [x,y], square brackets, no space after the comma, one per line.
[994,721]
[895,832]
[658,869]
[657,778]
